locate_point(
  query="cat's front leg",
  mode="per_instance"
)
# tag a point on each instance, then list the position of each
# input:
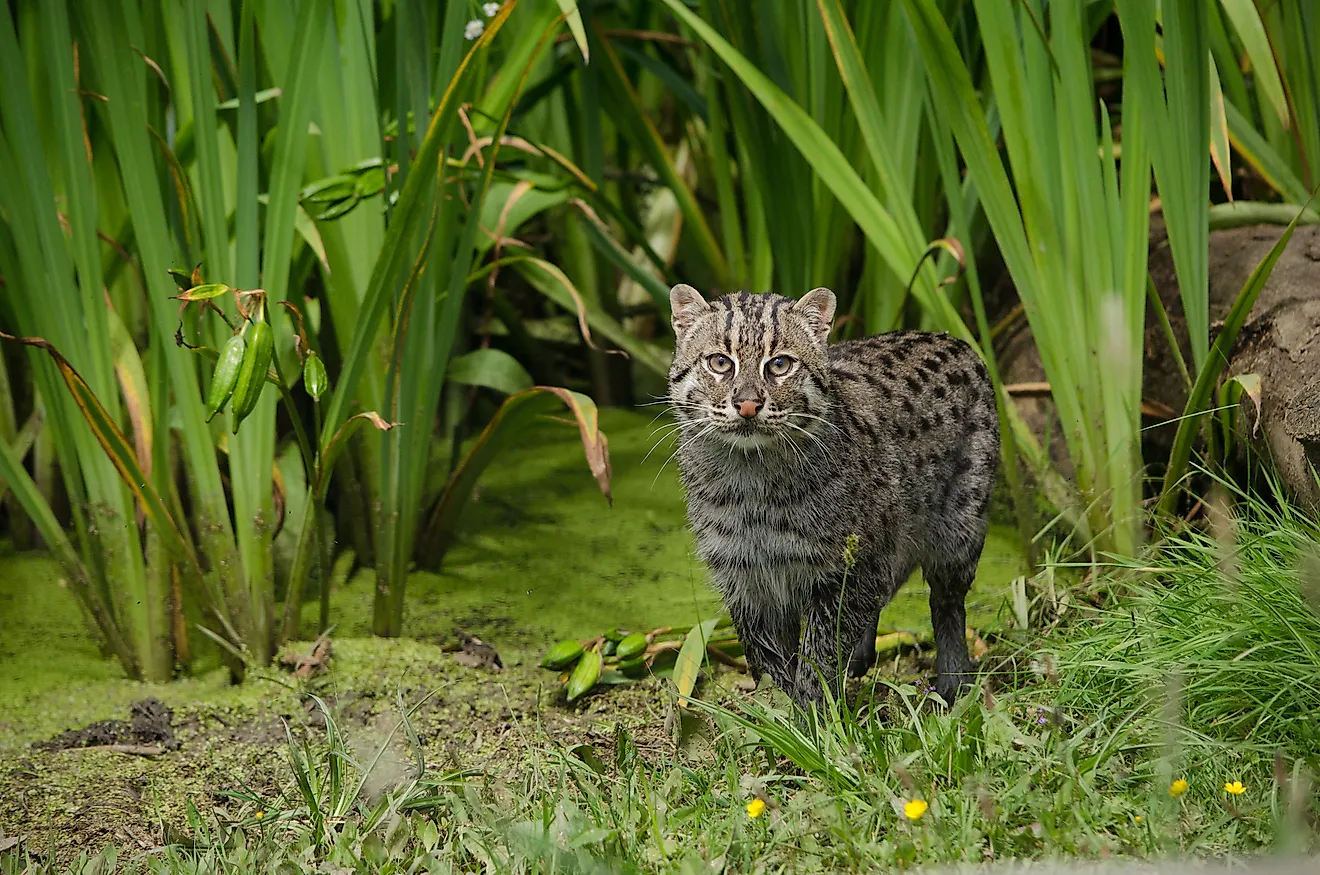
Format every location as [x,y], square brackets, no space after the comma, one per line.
[769,635]
[841,610]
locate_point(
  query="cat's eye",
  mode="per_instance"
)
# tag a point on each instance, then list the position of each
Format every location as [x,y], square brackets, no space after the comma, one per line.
[719,363]
[779,365]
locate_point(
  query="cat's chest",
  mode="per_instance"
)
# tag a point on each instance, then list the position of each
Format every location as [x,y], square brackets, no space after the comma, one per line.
[743,482]
[762,515]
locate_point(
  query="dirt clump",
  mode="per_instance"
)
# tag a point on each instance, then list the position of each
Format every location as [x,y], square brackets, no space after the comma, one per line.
[150,724]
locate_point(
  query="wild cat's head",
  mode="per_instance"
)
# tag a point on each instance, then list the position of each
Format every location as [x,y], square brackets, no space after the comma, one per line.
[752,369]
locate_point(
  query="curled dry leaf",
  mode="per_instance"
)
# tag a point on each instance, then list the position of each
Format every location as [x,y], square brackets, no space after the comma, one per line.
[561,281]
[300,343]
[305,665]
[1249,385]
[594,443]
[337,442]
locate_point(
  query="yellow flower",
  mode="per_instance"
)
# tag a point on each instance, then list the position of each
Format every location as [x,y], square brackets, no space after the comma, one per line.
[915,808]
[1235,788]
[1177,788]
[756,808]
[260,814]
[1137,819]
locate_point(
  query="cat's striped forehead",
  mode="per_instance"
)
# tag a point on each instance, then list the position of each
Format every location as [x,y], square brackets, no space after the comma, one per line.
[743,320]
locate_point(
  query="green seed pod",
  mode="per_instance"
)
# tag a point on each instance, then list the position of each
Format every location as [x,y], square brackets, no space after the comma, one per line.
[608,648]
[585,676]
[315,379]
[634,667]
[225,376]
[562,655]
[204,292]
[252,376]
[614,635]
[632,646]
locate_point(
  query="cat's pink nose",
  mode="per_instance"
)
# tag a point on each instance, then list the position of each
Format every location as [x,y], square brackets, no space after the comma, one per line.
[747,407]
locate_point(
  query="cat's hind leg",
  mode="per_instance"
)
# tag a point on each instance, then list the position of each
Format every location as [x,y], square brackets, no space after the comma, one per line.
[863,655]
[880,582]
[949,583]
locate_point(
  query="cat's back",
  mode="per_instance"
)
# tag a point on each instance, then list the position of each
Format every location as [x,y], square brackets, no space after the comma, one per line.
[924,397]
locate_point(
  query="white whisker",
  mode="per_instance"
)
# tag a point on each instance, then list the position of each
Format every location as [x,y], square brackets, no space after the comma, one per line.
[825,448]
[798,415]
[674,428]
[681,444]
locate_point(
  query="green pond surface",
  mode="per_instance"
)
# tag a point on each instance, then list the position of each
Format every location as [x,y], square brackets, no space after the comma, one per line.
[541,556]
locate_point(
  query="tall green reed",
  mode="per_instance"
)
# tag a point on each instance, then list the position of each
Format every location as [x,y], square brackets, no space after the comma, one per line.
[190,131]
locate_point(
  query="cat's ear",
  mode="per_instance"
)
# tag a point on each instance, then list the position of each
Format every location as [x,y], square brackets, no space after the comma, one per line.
[817,308]
[686,304]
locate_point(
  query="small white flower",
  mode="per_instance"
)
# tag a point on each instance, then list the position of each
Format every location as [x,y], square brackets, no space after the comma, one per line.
[489,9]
[474,29]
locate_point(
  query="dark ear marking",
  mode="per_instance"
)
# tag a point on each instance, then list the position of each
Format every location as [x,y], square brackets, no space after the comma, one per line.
[817,308]
[685,304]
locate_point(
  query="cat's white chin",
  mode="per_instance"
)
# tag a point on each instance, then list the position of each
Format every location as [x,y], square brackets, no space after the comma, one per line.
[749,439]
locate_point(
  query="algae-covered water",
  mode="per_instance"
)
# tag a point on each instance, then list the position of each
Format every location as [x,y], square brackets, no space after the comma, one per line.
[541,556]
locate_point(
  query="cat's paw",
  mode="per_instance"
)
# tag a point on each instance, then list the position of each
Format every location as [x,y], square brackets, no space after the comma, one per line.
[951,685]
[860,663]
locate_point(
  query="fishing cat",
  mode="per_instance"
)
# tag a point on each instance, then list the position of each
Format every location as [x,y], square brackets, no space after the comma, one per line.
[819,476]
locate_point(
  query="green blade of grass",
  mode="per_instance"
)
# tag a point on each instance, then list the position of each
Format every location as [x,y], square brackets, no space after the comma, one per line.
[721,168]
[1219,150]
[1251,31]
[1180,140]
[574,17]
[1257,151]
[691,657]
[215,231]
